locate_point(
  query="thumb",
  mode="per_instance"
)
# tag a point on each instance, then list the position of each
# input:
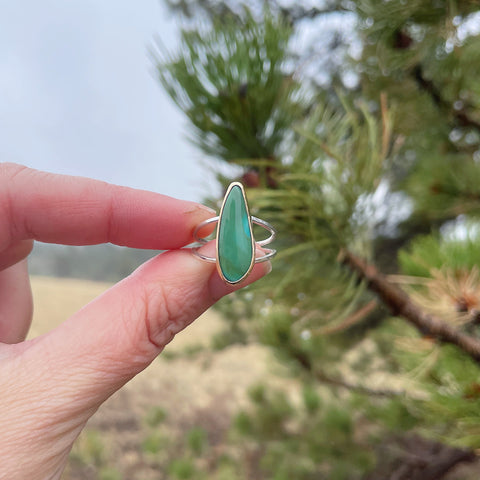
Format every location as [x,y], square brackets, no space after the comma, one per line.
[116,336]
[55,382]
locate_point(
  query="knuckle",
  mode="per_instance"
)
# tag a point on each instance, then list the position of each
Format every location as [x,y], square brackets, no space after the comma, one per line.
[169,309]
[164,313]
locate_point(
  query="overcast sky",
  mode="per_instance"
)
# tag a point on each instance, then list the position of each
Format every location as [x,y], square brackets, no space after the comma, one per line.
[78,95]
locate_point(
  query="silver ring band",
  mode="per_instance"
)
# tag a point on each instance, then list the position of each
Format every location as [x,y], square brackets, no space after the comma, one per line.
[235,243]
[269,252]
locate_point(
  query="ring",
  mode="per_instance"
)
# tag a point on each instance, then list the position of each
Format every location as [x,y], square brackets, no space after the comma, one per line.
[235,243]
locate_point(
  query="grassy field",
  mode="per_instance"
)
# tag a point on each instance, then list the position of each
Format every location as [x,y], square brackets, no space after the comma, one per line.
[176,413]
[185,397]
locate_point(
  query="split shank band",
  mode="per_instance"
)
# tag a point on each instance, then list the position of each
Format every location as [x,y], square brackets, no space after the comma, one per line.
[269,252]
[235,243]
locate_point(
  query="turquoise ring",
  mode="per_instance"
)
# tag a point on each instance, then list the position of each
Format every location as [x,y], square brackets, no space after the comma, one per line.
[235,243]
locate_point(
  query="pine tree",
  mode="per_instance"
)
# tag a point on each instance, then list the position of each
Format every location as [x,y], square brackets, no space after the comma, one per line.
[371,174]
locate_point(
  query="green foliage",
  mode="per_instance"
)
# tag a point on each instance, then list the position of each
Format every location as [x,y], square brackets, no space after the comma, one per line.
[395,415]
[311,399]
[235,309]
[90,449]
[182,469]
[155,416]
[427,253]
[227,337]
[381,170]
[448,394]
[451,188]
[423,56]
[110,474]
[176,451]
[299,442]
[154,443]
[197,440]
[228,78]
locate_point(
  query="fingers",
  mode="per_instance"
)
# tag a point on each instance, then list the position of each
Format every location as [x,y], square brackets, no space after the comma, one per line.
[79,211]
[112,339]
[16,304]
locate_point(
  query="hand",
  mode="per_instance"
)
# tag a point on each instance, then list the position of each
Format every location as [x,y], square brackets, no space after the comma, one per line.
[51,385]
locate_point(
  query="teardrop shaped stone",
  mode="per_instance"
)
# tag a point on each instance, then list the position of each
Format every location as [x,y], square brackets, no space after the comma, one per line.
[235,244]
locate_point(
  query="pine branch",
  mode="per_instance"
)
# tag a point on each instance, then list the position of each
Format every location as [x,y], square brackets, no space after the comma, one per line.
[416,458]
[357,388]
[351,320]
[305,362]
[296,13]
[429,87]
[401,305]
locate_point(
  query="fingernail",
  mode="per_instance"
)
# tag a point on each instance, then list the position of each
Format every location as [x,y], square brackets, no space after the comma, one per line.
[268,267]
[208,209]
[197,208]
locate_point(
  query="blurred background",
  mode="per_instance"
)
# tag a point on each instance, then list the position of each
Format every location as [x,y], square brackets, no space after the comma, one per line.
[79,95]
[355,128]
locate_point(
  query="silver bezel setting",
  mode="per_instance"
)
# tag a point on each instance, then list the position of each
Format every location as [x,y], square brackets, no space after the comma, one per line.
[269,252]
[252,240]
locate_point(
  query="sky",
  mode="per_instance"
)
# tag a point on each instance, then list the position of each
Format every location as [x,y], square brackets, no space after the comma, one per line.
[78,95]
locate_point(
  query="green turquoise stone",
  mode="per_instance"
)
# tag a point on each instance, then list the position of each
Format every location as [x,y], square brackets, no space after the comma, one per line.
[235,245]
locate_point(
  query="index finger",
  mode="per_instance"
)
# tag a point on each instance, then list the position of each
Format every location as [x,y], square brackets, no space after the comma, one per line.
[79,211]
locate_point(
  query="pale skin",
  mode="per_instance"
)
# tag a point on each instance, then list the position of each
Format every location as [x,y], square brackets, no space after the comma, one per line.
[51,385]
